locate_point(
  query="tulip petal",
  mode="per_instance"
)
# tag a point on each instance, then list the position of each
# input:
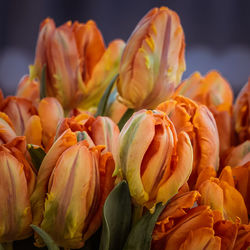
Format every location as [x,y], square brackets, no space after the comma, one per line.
[33,131]
[182,171]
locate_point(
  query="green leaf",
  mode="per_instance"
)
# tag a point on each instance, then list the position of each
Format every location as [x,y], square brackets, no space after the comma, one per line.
[43,83]
[125,118]
[37,154]
[46,238]
[116,218]
[141,234]
[104,100]
[81,135]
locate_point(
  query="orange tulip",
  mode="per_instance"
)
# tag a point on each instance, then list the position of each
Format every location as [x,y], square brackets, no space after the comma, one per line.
[239,178]
[223,197]
[215,92]
[75,196]
[51,113]
[182,227]
[78,68]
[238,156]
[152,159]
[153,60]
[198,122]
[19,111]
[29,89]
[7,131]
[17,181]
[105,132]
[242,114]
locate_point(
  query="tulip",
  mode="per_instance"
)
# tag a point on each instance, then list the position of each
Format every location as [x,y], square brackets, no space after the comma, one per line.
[19,110]
[153,60]
[105,132]
[221,196]
[78,68]
[7,131]
[241,114]
[215,92]
[16,185]
[51,113]
[102,74]
[33,131]
[243,237]
[198,122]
[239,178]
[66,140]
[182,227]
[73,210]
[29,89]
[152,159]
[238,156]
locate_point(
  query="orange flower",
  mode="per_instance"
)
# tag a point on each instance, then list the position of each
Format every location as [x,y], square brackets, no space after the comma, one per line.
[242,113]
[223,197]
[78,68]
[152,159]
[198,122]
[29,89]
[7,131]
[153,60]
[17,181]
[215,92]
[19,111]
[72,211]
[51,113]
[182,227]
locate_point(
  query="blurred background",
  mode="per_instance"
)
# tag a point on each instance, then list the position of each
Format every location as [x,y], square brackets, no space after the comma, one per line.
[217,32]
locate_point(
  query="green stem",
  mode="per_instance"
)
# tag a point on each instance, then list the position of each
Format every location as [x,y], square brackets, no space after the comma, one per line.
[125,118]
[137,213]
[6,246]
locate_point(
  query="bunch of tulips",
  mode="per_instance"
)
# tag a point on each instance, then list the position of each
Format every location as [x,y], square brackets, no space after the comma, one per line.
[108,148]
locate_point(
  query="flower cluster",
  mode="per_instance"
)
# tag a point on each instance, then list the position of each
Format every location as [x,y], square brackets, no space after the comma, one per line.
[88,117]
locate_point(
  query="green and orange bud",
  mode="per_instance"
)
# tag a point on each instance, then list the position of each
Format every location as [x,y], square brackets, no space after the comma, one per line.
[238,156]
[215,92]
[153,60]
[29,89]
[19,111]
[17,181]
[102,74]
[72,209]
[198,122]
[241,114]
[105,132]
[51,113]
[153,160]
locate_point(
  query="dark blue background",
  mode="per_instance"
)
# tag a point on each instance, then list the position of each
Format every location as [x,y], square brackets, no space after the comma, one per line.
[217,32]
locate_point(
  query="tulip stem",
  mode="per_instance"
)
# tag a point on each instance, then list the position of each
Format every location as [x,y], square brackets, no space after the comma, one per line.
[137,214]
[6,246]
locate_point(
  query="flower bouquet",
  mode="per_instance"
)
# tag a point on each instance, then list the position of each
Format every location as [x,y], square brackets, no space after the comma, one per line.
[107,148]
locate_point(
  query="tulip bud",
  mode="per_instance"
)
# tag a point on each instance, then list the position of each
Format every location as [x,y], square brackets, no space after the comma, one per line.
[16,185]
[148,151]
[33,131]
[7,132]
[241,113]
[50,112]
[198,122]
[238,156]
[153,60]
[105,132]
[29,89]
[102,74]
[215,92]
[19,110]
